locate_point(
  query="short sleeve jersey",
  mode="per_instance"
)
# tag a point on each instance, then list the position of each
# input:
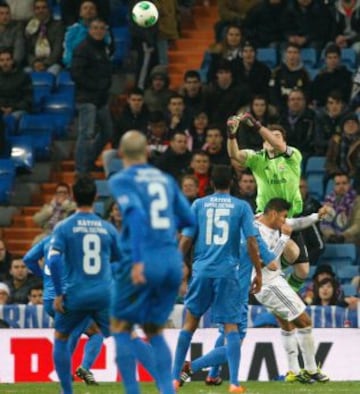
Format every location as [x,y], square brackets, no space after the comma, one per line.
[220,218]
[277,177]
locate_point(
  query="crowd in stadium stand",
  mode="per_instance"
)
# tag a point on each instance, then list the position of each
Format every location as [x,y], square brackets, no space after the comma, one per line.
[306,80]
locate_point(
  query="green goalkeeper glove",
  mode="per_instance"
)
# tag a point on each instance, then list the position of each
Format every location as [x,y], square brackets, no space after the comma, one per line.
[232,126]
[249,120]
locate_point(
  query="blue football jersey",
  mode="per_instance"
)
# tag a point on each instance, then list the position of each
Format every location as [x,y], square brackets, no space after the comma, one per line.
[220,219]
[156,195]
[88,244]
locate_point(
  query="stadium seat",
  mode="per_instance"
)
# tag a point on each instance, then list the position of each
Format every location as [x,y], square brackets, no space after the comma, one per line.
[119,14]
[348,58]
[329,187]
[102,189]
[63,103]
[43,84]
[339,255]
[309,57]
[7,178]
[315,185]
[65,84]
[267,56]
[313,72]
[315,165]
[347,273]
[349,290]
[205,65]
[22,152]
[99,208]
[115,166]
[122,44]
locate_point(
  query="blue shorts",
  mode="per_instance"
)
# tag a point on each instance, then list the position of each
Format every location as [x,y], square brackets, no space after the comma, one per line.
[80,321]
[221,294]
[153,301]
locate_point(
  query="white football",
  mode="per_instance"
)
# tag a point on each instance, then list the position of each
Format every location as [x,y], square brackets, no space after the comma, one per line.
[145,14]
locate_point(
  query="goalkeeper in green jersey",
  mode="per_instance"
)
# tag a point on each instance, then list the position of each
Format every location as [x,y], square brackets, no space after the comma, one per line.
[277,170]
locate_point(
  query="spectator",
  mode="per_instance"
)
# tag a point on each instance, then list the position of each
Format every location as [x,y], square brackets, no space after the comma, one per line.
[289,75]
[225,95]
[157,95]
[312,235]
[178,119]
[70,9]
[176,159]
[114,216]
[247,188]
[44,39]
[190,187]
[11,35]
[157,135]
[299,123]
[78,32]
[344,149]
[59,208]
[15,87]
[21,10]
[197,131]
[5,261]
[35,295]
[323,271]
[253,73]
[215,147]
[194,95]
[228,49]
[135,116]
[232,11]
[200,167]
[263,112]
[4,293]
[92,73]
[20,283]
[343,222]
[326,292]
[309,23]
[329,121]
[259,24]
[347,22]
[168,28]
[334,76]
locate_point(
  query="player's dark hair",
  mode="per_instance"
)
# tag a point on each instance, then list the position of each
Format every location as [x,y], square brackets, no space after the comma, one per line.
[192,74]
[278,127]
[84,191]
[221,177]
[278,205]
[136,91]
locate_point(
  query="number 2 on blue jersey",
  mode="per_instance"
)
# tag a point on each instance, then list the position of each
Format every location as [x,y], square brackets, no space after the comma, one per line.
[158,206]
[217,218]
[91,246]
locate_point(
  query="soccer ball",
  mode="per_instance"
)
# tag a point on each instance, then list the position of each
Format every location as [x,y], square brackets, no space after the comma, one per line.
[145,14]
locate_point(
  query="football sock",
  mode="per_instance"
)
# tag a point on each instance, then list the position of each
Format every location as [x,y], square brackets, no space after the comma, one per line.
[62,360]
[215,370]
[91,350]
[145,355]
[290,345]
[73,341]
[295,282]
[162,357]
[307,346]
[126,363]
[182,347]
[233,353]
[213,359]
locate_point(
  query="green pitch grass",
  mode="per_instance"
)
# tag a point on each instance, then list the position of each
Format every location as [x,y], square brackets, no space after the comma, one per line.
[191,388]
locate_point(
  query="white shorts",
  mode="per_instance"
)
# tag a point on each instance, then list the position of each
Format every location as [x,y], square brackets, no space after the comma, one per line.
[280,299]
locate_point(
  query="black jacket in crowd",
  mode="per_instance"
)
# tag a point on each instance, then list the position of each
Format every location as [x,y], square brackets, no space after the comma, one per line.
[257,78]
[91,71]
[16,90]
